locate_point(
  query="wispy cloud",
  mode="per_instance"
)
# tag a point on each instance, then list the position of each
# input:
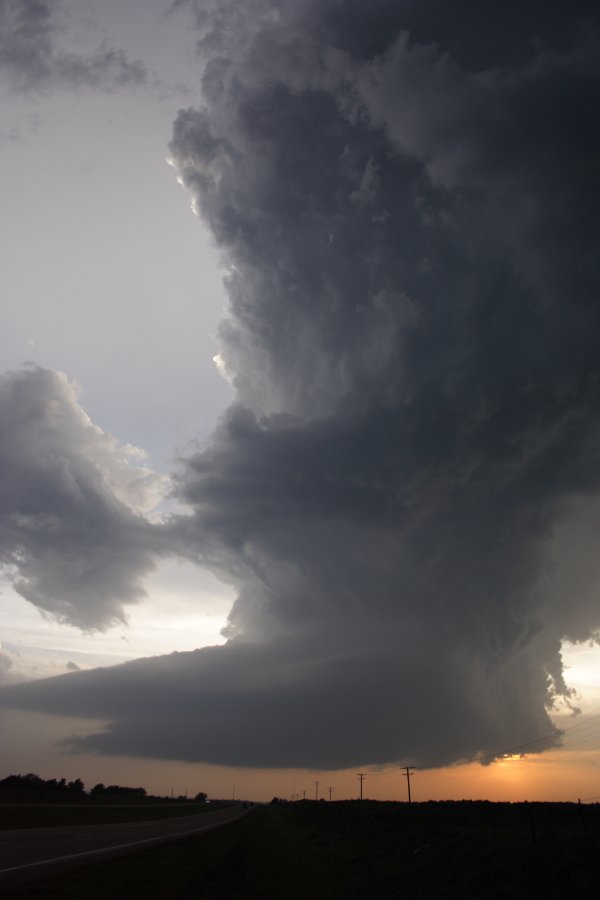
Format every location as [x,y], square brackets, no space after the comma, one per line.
[32,56]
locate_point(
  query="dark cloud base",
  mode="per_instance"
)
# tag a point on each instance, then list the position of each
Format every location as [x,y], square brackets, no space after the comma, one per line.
[283,705]
[404,197]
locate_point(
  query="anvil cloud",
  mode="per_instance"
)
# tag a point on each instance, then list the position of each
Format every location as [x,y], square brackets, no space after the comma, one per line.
[404,198]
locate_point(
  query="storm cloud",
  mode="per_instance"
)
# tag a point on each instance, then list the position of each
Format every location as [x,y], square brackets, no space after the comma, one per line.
[33,59]
[404,198]
[74,537]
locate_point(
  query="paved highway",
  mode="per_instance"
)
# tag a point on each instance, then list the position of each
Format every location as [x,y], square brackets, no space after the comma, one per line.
[28,853]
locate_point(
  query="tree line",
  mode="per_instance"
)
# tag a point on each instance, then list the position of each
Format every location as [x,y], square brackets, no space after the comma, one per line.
[32,787]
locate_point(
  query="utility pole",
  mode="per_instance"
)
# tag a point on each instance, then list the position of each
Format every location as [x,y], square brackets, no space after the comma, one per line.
[330,790]
[407,771]
[304,795]
[316,790]
[361,777]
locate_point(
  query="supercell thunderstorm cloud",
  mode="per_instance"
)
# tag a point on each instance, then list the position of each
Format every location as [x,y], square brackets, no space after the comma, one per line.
[404,197]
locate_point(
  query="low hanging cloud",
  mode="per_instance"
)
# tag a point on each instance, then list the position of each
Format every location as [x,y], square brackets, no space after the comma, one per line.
[75,539]
[32,56]
[405,204]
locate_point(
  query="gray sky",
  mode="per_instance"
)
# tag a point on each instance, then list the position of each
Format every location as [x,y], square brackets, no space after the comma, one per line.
[404,493]
[107,277]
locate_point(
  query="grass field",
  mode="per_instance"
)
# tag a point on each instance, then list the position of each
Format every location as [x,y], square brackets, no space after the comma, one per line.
[43,815]
[359,850]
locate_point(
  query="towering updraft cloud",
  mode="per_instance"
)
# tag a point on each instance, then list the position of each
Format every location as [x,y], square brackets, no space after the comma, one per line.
[31,54]
[404,196]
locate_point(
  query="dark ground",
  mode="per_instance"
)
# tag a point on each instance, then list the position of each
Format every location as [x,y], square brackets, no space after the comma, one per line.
[22,815]
[360,850]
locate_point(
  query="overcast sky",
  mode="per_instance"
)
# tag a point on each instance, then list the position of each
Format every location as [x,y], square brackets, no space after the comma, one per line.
[334,437]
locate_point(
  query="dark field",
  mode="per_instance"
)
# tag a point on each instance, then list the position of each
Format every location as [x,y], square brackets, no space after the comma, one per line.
[360,850]
[42,816]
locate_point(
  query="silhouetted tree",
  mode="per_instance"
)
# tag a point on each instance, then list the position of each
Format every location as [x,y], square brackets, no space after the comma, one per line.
[117,790]
[76,787]
[30,786]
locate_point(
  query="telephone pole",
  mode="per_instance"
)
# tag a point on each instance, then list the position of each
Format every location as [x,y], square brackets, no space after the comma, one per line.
[330,790]
[361,777]
[407,771]
[316,790]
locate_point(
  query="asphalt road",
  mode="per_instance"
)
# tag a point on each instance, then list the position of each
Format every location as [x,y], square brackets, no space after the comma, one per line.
[29,853]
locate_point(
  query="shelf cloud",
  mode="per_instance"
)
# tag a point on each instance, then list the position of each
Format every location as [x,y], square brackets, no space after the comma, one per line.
[403,195]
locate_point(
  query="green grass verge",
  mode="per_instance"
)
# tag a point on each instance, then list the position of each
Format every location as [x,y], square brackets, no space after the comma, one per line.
[44,816]
[339,851]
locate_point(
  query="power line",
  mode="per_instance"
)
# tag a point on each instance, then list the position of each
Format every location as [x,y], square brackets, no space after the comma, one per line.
[510,751]
[572,736]
[522,748]
[582,732]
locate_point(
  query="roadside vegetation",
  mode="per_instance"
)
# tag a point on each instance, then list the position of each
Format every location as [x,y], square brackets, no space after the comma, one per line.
[31,788]
[28,801]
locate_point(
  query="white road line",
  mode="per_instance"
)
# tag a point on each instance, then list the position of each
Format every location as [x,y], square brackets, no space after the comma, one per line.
[55,859]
